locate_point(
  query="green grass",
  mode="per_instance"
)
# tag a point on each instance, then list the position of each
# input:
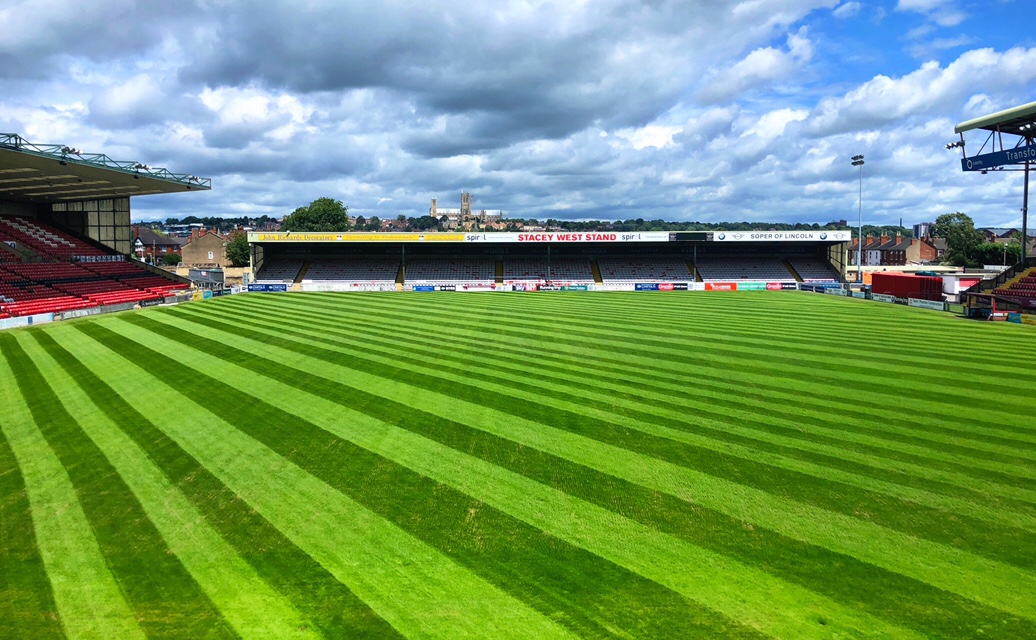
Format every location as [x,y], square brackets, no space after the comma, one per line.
[607,465]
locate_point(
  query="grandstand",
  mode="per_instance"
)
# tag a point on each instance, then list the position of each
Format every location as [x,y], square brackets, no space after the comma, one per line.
[644,269]
[284,270]
[498,260]
[366,271]
[575,270]
[811,269]
[1021,289]
[65,232]
[739,269]
[451,271]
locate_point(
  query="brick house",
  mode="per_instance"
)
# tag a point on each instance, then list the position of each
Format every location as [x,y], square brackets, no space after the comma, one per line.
[205,248]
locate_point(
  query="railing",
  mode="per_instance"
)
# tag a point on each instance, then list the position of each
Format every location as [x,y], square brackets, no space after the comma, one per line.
[1007,274]
[66,155]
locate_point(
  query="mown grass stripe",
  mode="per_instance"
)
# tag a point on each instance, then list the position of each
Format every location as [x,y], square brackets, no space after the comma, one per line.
[791,317]
[883,405]
[397,324]
[991,500]
[312,591]
[247,603]
[166,600]
[755,325]
[960,573]
[89,602]
[27,606]
[914,519]
[871,436]
[474,318]
[845,437]
[822,366]
[511,455]
[930,611]
[410,584]
[590,594]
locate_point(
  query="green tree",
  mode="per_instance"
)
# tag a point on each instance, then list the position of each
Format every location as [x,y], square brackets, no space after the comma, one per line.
[374,224]
[998,253]
[962,240]
[171,259]
[323,214]
[238,252]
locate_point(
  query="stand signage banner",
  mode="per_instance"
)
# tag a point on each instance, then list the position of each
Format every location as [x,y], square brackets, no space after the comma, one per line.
[987,161]
[645,286]
[681,286]
[751,286]
[834,292]
[881,297]
[781,236]
[423,287]
[445,287]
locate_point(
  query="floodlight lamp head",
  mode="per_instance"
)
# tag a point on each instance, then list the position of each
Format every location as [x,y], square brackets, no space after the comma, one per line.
[857,158]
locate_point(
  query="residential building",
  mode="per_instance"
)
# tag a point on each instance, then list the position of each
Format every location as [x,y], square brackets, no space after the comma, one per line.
[146,242]
[205,249]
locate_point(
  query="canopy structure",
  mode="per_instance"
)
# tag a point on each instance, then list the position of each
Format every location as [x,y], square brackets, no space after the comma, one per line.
[51,173]
[1018,121]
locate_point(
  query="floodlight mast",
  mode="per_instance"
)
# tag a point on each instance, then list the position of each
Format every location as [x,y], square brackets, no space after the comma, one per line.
[858,162]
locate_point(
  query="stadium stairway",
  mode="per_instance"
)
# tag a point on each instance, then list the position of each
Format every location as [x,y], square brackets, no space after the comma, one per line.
[596,271]
[694,270]
[1017,277]
[792,271]
[302,272]
[499,271]
[399,274]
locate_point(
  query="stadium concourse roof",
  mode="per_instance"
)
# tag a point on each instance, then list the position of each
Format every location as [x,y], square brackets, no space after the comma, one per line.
[1019,121]
[554,237]
[56,173]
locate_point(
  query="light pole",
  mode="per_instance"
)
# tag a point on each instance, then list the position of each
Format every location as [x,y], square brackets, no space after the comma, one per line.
[858,162]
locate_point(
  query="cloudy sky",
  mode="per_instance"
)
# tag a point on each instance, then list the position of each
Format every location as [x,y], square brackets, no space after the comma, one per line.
[685,110]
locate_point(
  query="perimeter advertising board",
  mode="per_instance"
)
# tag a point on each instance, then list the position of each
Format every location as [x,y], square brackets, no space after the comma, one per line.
[267,287]
[927,304]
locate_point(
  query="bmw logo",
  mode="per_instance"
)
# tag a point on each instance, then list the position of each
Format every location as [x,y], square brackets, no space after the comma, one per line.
[823,236]
[722,236]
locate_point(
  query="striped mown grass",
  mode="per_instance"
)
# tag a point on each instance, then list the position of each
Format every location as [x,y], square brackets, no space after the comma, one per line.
[564,465]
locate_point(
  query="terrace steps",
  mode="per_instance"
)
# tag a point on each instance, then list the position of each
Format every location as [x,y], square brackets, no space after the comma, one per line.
[302,272]
[792,271]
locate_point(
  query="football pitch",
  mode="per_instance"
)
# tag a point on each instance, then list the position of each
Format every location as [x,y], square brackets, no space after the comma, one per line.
[555,465]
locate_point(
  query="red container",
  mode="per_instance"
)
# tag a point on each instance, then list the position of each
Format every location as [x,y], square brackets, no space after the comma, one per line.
[904,285]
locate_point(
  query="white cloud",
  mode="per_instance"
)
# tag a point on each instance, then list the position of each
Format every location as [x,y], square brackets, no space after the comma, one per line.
[703,109]
[846,10]
[921,5]
[761,67]
[885,100]
[656,136]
